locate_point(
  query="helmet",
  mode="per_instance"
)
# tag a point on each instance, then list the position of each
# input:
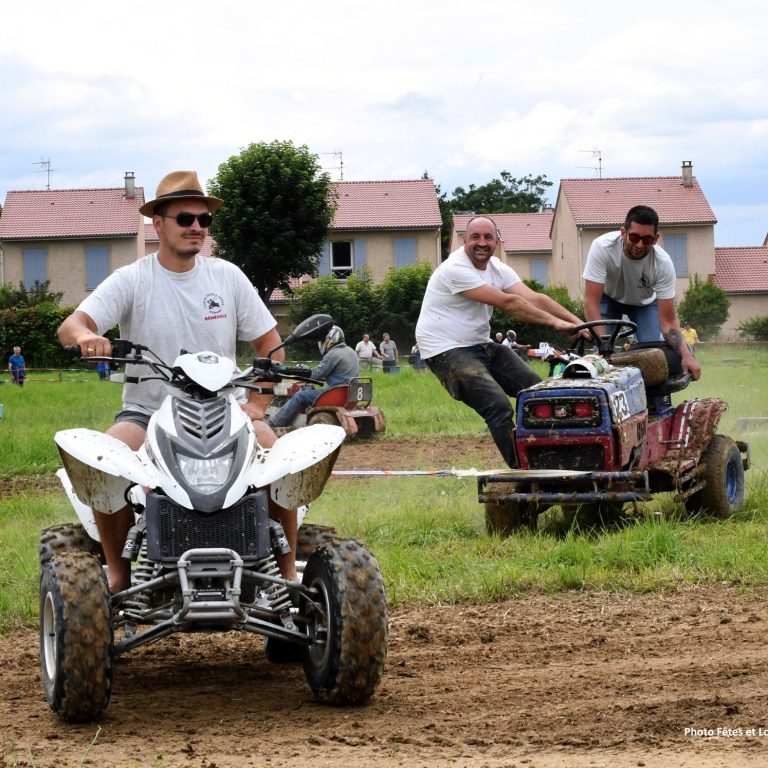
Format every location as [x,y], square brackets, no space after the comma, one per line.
[334,338]
[511,335]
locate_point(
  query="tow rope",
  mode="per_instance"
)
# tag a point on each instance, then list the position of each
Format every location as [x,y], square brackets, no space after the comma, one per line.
[471,472]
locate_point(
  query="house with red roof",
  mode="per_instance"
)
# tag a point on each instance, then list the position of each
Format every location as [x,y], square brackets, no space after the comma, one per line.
[524,241]
[588,208]
[743,274]
[72,238]
[382,225]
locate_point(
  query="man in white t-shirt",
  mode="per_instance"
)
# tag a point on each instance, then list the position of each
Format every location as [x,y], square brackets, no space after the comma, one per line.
[453,330]
[366,351]
[628,275]
[173,300]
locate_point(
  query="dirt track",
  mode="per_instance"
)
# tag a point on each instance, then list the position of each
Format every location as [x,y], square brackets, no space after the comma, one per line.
[570,680]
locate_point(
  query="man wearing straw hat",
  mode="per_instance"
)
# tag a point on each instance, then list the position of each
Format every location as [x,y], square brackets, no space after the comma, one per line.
[173,300]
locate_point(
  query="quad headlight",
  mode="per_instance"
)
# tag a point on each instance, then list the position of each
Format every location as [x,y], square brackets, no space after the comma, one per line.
[206,475]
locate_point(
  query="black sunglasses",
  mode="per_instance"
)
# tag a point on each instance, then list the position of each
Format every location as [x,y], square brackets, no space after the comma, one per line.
[188,219]
[634,238]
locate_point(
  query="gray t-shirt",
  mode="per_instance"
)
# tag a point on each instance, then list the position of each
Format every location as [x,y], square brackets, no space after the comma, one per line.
[388,349]
[205,309]
[627,281]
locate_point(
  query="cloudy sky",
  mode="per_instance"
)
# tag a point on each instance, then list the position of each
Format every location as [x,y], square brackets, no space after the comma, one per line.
[461,90]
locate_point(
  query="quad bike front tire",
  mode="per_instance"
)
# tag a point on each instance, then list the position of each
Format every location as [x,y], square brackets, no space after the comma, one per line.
[311,537]
[345,661]
[76,640]
[69,537]
[723,492]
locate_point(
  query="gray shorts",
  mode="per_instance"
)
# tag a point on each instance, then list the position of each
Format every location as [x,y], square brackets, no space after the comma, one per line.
[134,417]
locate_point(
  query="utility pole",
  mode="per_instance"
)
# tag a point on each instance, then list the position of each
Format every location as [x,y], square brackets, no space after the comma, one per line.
[597,154]
[45,167]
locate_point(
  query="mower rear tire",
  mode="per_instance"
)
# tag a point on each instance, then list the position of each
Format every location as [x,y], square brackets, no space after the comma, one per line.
[723,492]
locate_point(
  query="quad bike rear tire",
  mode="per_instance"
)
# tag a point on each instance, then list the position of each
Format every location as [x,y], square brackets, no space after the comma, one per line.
[76,640]
[324,417]
[723,492]
[345,662]
[69,537]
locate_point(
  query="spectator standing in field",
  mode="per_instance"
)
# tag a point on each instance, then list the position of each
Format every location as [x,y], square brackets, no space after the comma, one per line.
[366,351]
[388,351]
[690,335]
[628,274]
[17,367]
[453,330]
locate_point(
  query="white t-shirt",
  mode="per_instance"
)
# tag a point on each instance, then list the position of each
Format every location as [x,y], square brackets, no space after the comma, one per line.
[365,349]
[630,282]
[448,320]
[207,308]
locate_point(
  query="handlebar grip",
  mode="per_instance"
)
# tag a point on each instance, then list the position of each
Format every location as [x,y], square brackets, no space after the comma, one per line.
[298,370]
[73,349]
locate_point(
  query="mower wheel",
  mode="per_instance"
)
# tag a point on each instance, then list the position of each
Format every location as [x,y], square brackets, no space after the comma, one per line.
[323,417]
[505,518]
[723,492]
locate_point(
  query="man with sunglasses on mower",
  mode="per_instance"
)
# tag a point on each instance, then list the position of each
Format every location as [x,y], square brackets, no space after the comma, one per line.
[168,301]
[628,275]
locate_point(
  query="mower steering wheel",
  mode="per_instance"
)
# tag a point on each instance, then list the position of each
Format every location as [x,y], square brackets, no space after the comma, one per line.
[605,344]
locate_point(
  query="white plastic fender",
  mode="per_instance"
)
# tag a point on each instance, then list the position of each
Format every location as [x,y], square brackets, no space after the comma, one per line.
[100,467]
[208,369]
[299,464]
[84,512]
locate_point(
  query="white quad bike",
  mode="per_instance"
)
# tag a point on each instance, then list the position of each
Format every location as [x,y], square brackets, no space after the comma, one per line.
[203,547]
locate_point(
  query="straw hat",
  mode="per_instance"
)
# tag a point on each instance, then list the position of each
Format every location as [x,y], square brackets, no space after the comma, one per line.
[180,185]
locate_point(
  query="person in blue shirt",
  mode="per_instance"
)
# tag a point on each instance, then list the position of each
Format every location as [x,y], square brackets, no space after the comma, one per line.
[17,367]
[338,366]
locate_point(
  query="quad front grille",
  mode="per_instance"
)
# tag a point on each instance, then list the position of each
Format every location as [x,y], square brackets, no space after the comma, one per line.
[172,530]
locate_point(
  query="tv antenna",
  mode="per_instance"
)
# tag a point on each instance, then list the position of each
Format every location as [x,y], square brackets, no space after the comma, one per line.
[45,167]
[598,155]
[340,166]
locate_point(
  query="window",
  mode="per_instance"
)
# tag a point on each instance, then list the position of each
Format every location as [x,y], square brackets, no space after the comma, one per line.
[96,265]
[677,247]
[342,263]
[404,251]
[35,267]
[540,271]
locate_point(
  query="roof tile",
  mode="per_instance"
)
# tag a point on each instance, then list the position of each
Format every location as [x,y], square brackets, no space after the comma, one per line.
[605,202]
[520,232]
[67,213]
[742,270]
[408,204]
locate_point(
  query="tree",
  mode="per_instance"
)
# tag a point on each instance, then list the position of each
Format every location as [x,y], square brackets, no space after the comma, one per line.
[705,306]
[755,327]
[277,209]
[400,297]
[11,298]
[504,195]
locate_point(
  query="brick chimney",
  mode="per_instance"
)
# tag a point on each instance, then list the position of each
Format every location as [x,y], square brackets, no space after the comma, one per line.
[130,185]
[687,173]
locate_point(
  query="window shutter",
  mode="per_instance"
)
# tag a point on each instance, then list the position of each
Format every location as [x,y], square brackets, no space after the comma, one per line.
[35,267]
[540,271]
[404,251]
[360,253]
[324,263]
[677,248]
[96,265]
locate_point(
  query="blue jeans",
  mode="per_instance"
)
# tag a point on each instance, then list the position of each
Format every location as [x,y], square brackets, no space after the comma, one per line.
[484,377]
[285,416]
[646,317]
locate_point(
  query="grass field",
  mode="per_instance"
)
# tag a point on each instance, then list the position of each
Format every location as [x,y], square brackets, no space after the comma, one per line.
[429,533]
